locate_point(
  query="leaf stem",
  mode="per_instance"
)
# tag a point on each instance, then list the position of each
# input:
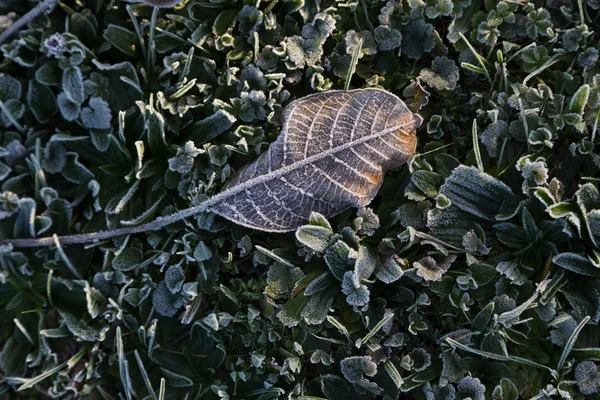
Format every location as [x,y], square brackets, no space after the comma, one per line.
[27,18]
[103,235]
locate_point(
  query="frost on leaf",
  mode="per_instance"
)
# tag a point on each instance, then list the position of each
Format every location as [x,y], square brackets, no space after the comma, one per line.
[443,74]
[421,359]
[510,269]
[308,48]
[354,368]
[437,392]
[414,214]
[55,45]
[535,173]
[367,221]
[387,38]
[431,269]
[474,244]
[356,295]
[389,270]
[588,58]
[476,192]
[340,258]
[534,58]
[452,369]
[369,47]
[282,278]
[174,278]
[417,39]
[471,388]
[563,327]
[493,136]
[249,18]
[314,237]
[97,114]
[416,97]
[271,193]
[587,377]
[538,22]
[165,302]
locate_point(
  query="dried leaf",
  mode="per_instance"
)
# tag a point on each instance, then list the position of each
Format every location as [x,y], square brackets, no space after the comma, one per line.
[331,155]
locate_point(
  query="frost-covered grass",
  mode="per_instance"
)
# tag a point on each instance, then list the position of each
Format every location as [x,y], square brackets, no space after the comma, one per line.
[474,274]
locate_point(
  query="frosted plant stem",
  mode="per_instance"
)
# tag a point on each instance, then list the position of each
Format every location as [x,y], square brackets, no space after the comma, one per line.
[102,235]
[27,18]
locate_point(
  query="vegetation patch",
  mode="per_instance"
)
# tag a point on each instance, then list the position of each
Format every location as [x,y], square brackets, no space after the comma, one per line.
[474,272]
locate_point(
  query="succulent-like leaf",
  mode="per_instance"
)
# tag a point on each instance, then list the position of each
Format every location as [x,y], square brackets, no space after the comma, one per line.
[331,155]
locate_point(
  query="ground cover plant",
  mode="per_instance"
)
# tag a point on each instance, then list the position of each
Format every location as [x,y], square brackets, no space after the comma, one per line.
[473,274]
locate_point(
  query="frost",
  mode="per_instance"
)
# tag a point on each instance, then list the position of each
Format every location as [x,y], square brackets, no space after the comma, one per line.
[249,18]
[415,96]
[510,269]
[476,192]
[438,7]
[473,244]
[493,136]
[487,33]
[10,88]
[340,258]
[68,108]
[387,38]
[354,368]
[471,388]
[571,39]
[317,308]
[421,359]
[538,22]
[540,138]
[534,58]
[563,328]
[267,59]
[535,173]
[282,278]
[417,39]
[504,303]
[369,221]
[97,115]
[588,58]
[391,14]
[389,270]
[319,29]
[314,237]
[443,74]
[587,377]
[254,77]
[430,269]
[308,48]
[369,47]
[356,295]
[252,106]
[437,392]
[184,161]
[546,312]
[174,278]
[414,214]
[396,340]
[166,303]
[55,45]
[452,370]
[202,252]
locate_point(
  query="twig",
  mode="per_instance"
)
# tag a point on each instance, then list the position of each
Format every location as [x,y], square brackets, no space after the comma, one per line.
[27,18]
[102,235]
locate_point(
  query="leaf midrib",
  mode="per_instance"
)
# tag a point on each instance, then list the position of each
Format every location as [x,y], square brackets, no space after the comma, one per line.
[296,165]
